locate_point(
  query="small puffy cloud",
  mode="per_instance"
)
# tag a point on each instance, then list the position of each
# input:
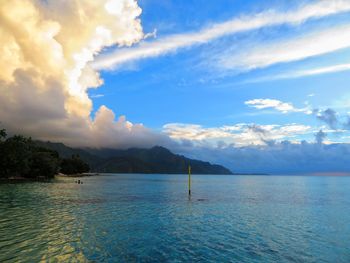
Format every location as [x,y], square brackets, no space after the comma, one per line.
[284,107]
[239,134]
[193,132]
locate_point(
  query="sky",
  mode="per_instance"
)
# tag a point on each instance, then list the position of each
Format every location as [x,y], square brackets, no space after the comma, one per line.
[257,86]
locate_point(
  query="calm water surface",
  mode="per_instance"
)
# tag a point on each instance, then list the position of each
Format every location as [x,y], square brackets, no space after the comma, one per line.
[149,218]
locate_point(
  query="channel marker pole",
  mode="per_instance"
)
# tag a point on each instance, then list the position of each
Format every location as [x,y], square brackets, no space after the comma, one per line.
[189,180]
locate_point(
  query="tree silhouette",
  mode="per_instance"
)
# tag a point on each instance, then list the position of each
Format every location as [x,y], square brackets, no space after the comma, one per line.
[21,157]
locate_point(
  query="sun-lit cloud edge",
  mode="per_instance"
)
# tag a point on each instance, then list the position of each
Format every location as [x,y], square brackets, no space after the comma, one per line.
[45,79]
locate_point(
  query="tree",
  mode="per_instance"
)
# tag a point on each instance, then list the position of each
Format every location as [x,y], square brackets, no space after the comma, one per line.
[19,156]
[44,163]
[74,165]
[3,134]
[15,156]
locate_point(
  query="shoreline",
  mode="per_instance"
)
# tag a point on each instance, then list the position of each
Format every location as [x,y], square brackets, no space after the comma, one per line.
[19,179]
[76,175]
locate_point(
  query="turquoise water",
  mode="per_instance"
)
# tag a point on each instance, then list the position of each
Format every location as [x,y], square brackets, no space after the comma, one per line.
[149,218]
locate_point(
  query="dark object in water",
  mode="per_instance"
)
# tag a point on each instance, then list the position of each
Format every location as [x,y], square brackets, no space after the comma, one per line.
[202,199]
[189,180]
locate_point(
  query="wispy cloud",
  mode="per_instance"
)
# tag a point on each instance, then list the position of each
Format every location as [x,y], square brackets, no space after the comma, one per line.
[304,73]
[284,107]
[318,71]
[282,51]
[96,96]
[241,24]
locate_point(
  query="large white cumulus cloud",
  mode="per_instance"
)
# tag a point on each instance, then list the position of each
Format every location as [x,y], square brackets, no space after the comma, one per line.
[45,50]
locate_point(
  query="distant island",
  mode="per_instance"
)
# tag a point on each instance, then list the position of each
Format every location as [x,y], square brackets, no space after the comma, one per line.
[24,158]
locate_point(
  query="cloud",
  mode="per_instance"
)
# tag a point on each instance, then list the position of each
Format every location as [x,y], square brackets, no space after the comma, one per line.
[347,123]
[45,50]
[107,131]
[317,71]
[45,58]
[336,122]
[252,148]
[329,116]
[241,24]
[153,34]
[284,107]
[239,135]
[282,157]
[304,73]
[96,96]
[282,51]
[320,136]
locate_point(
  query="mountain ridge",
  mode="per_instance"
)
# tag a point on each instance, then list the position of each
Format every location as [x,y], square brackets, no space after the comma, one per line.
[157,159]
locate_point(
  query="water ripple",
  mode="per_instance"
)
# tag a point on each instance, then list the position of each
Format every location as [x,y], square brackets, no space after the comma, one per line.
[149,218]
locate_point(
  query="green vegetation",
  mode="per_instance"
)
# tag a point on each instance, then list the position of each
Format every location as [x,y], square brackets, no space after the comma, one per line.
[154,160]
[22,157]
[74,165]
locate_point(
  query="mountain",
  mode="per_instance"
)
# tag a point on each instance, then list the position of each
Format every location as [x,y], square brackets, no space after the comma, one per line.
[134,160]
[67,152]
[155,160]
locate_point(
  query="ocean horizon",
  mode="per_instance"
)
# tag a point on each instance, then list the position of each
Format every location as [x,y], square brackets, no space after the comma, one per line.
[175,131]
[151,218]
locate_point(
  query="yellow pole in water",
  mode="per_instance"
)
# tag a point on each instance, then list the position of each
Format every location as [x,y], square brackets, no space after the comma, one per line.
[189,180]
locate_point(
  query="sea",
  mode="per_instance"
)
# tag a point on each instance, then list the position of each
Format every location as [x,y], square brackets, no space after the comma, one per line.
[151,218]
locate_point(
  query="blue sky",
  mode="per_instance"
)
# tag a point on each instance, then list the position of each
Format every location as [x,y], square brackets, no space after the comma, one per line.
[209,84]
[258,86]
